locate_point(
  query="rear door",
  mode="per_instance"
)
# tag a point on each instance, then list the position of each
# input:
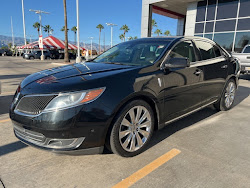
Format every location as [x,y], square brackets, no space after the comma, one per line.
[182,85]
[215,70]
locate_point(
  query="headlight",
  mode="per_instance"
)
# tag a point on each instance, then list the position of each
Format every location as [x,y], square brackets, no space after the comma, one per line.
[67,100]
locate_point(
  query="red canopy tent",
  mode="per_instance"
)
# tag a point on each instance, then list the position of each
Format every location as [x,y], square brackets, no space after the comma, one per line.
[50,42]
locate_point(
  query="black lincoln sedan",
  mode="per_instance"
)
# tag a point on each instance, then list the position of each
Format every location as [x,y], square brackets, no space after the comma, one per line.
[118,99]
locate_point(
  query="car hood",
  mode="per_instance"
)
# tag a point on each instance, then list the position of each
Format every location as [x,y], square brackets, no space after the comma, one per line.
[84,71]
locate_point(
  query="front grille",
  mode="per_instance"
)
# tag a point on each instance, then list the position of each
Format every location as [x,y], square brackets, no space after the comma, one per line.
[34,105]
[29,135]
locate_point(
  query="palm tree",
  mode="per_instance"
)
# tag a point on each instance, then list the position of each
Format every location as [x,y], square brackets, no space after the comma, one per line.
[36,25]
[158,32]
[125,30]
[66,53]
[153,24]
[167,33]
[100,27]
[47,29]
[130,38]
[121,36]
[74,29]
[63,28]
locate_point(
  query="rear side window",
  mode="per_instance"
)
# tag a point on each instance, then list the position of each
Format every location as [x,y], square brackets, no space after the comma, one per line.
[246,50]
[184,49]
[217,51]
[206,49]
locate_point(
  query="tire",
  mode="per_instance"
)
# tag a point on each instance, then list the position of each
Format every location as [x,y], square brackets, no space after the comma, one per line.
[31,58]
[127,139]
[227,98]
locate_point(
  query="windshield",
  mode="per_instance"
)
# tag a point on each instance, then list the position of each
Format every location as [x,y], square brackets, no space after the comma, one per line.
[247,49]
[137,53]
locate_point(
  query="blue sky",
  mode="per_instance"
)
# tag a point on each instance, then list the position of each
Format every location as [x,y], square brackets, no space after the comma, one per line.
[92,13]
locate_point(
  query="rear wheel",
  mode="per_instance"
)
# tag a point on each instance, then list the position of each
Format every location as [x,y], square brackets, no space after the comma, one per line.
[227,98]
[31,57]
[133,129]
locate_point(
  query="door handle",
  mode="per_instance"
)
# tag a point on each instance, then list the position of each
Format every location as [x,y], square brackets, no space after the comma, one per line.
[197,72]
[224,67]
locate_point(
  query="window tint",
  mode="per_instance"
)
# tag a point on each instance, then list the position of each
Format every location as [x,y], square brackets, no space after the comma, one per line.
[199,27]
[209,27]
[225,40]
[201,10]
[244,24]
[206,49]
[211,9]
[227,9]
[242,39]
[184,49]
[217,51]
[244,8]
[247,50]
[227,25]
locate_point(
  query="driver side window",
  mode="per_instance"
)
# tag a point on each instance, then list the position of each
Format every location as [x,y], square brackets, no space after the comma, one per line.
[184,49]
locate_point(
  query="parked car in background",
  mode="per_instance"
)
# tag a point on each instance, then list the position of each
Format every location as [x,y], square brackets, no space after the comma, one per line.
[37,55]
[121,97]
[71,56]
[244,59]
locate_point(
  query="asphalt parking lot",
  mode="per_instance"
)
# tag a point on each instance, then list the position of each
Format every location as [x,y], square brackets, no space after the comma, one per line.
[205,149]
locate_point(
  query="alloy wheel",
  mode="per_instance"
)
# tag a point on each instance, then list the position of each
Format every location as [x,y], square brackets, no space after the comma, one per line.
[229,94]
[135,128]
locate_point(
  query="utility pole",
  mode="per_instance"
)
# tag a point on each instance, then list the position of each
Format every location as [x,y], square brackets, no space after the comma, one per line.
[12,34]
[111,24]
[24,30]
[40,12]
[91,39]
[78,59]
[104,41]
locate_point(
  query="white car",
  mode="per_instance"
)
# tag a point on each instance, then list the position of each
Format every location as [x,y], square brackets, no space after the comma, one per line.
[244,59]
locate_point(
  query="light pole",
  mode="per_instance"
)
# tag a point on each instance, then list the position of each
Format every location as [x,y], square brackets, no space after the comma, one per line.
[12,34]
[111,24]
[91,39]
[78,59]
[24,30]
[41,32]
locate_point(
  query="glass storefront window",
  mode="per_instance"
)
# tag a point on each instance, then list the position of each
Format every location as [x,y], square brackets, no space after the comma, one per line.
[244,8]
[211,9]
[244,24]
[227,25]
[242,39]
[209,27]
[201,10]
[227,9]
[209,36]
[199,27]
[225,40]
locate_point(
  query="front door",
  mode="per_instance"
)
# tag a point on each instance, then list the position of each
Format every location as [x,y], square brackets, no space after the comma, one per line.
[182,85]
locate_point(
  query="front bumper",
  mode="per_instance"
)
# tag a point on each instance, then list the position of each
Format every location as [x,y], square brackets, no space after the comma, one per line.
[58,145]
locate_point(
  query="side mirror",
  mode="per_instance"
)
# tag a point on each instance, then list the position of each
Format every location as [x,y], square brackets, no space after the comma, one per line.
[177,62]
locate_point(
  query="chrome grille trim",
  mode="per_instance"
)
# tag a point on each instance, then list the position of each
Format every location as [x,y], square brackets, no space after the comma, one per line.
[33,104]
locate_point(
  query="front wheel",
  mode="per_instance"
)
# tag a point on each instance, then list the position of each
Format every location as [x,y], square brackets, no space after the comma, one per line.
[132,129]
[227,98]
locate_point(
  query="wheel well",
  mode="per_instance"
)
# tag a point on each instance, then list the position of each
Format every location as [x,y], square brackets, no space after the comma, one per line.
[141,97]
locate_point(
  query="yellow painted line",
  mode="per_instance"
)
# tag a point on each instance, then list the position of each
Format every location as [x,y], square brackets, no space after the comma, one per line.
[4,120]
[147,169]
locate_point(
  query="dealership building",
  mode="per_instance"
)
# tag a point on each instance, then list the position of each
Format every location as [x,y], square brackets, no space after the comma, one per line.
[227,22]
